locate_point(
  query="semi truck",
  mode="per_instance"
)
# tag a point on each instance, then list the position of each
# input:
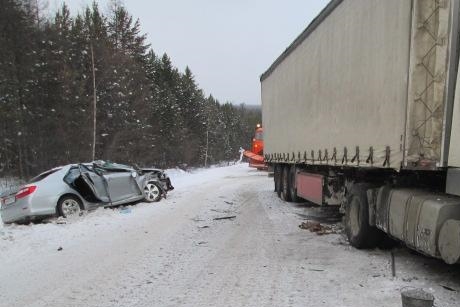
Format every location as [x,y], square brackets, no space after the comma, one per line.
[362,111]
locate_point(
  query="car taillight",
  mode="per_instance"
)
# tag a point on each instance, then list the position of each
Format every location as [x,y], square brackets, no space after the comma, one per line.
[25,191]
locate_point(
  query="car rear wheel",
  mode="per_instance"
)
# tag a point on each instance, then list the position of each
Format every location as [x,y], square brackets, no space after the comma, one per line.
[152,192]
[69,206]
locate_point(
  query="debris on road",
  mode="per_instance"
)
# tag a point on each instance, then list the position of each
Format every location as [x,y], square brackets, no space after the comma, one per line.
[317,228]
[125,210]
[224,218]
[316,270]
[448,288]
[416,297]
[59,248]
[61,220]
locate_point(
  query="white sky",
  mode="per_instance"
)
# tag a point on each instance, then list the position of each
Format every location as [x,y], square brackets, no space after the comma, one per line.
[226,44]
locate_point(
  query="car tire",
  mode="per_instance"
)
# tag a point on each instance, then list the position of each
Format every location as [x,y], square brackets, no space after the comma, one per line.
[69,206]
[152,192]
[359,233]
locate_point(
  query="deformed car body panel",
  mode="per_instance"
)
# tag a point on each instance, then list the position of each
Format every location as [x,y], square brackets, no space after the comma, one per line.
[122,185]
[96,184]
[113,184]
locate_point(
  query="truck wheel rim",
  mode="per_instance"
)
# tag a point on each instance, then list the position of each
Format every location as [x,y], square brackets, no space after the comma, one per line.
[70,207]
[151,192]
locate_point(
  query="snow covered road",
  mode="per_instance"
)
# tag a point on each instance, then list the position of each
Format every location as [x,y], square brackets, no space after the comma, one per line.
[174,253]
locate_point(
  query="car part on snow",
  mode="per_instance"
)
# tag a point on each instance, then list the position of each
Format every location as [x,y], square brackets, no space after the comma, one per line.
[417,298]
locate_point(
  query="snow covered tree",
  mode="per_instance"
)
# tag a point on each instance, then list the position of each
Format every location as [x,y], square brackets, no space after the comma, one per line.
[18,60]
[148,112]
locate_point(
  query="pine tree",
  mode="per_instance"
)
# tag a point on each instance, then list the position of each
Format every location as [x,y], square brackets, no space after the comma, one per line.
[148,112]
[18,29]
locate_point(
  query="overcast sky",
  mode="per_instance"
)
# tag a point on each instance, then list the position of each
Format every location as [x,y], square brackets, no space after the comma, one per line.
[227,44]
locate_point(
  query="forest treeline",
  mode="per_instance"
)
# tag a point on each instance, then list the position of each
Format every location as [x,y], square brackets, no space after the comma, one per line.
[148,112]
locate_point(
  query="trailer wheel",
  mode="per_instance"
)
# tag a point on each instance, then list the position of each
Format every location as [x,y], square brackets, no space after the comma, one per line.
[293,184]
[360,234]
[278,182]
[285,186]
[277,179]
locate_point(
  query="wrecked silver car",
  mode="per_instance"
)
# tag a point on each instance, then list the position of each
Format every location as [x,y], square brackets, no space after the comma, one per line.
[67,190]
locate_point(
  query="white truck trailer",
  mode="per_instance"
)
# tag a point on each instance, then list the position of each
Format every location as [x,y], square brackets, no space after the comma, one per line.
[362,110]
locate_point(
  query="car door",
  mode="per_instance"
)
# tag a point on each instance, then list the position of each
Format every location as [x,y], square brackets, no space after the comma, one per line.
[121,185]
[90,184]
[96,183]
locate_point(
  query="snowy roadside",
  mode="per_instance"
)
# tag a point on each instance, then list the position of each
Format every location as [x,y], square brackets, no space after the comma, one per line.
[25,239]
[103,248]
[176,174]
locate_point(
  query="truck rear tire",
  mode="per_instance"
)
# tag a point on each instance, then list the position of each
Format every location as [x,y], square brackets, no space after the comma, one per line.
[277,179]
[293,184]
[285,186]
[278,175]
[360,234]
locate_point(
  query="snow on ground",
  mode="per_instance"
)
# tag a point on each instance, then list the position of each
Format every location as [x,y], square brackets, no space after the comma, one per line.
[174,253]
[22,239]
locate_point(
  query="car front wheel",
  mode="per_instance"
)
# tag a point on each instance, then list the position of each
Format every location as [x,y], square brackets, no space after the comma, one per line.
[152,192]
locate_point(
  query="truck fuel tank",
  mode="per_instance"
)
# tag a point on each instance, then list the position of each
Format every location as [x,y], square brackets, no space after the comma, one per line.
[416,218]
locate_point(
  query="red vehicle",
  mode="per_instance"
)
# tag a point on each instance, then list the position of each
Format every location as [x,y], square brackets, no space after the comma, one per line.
[256,154]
